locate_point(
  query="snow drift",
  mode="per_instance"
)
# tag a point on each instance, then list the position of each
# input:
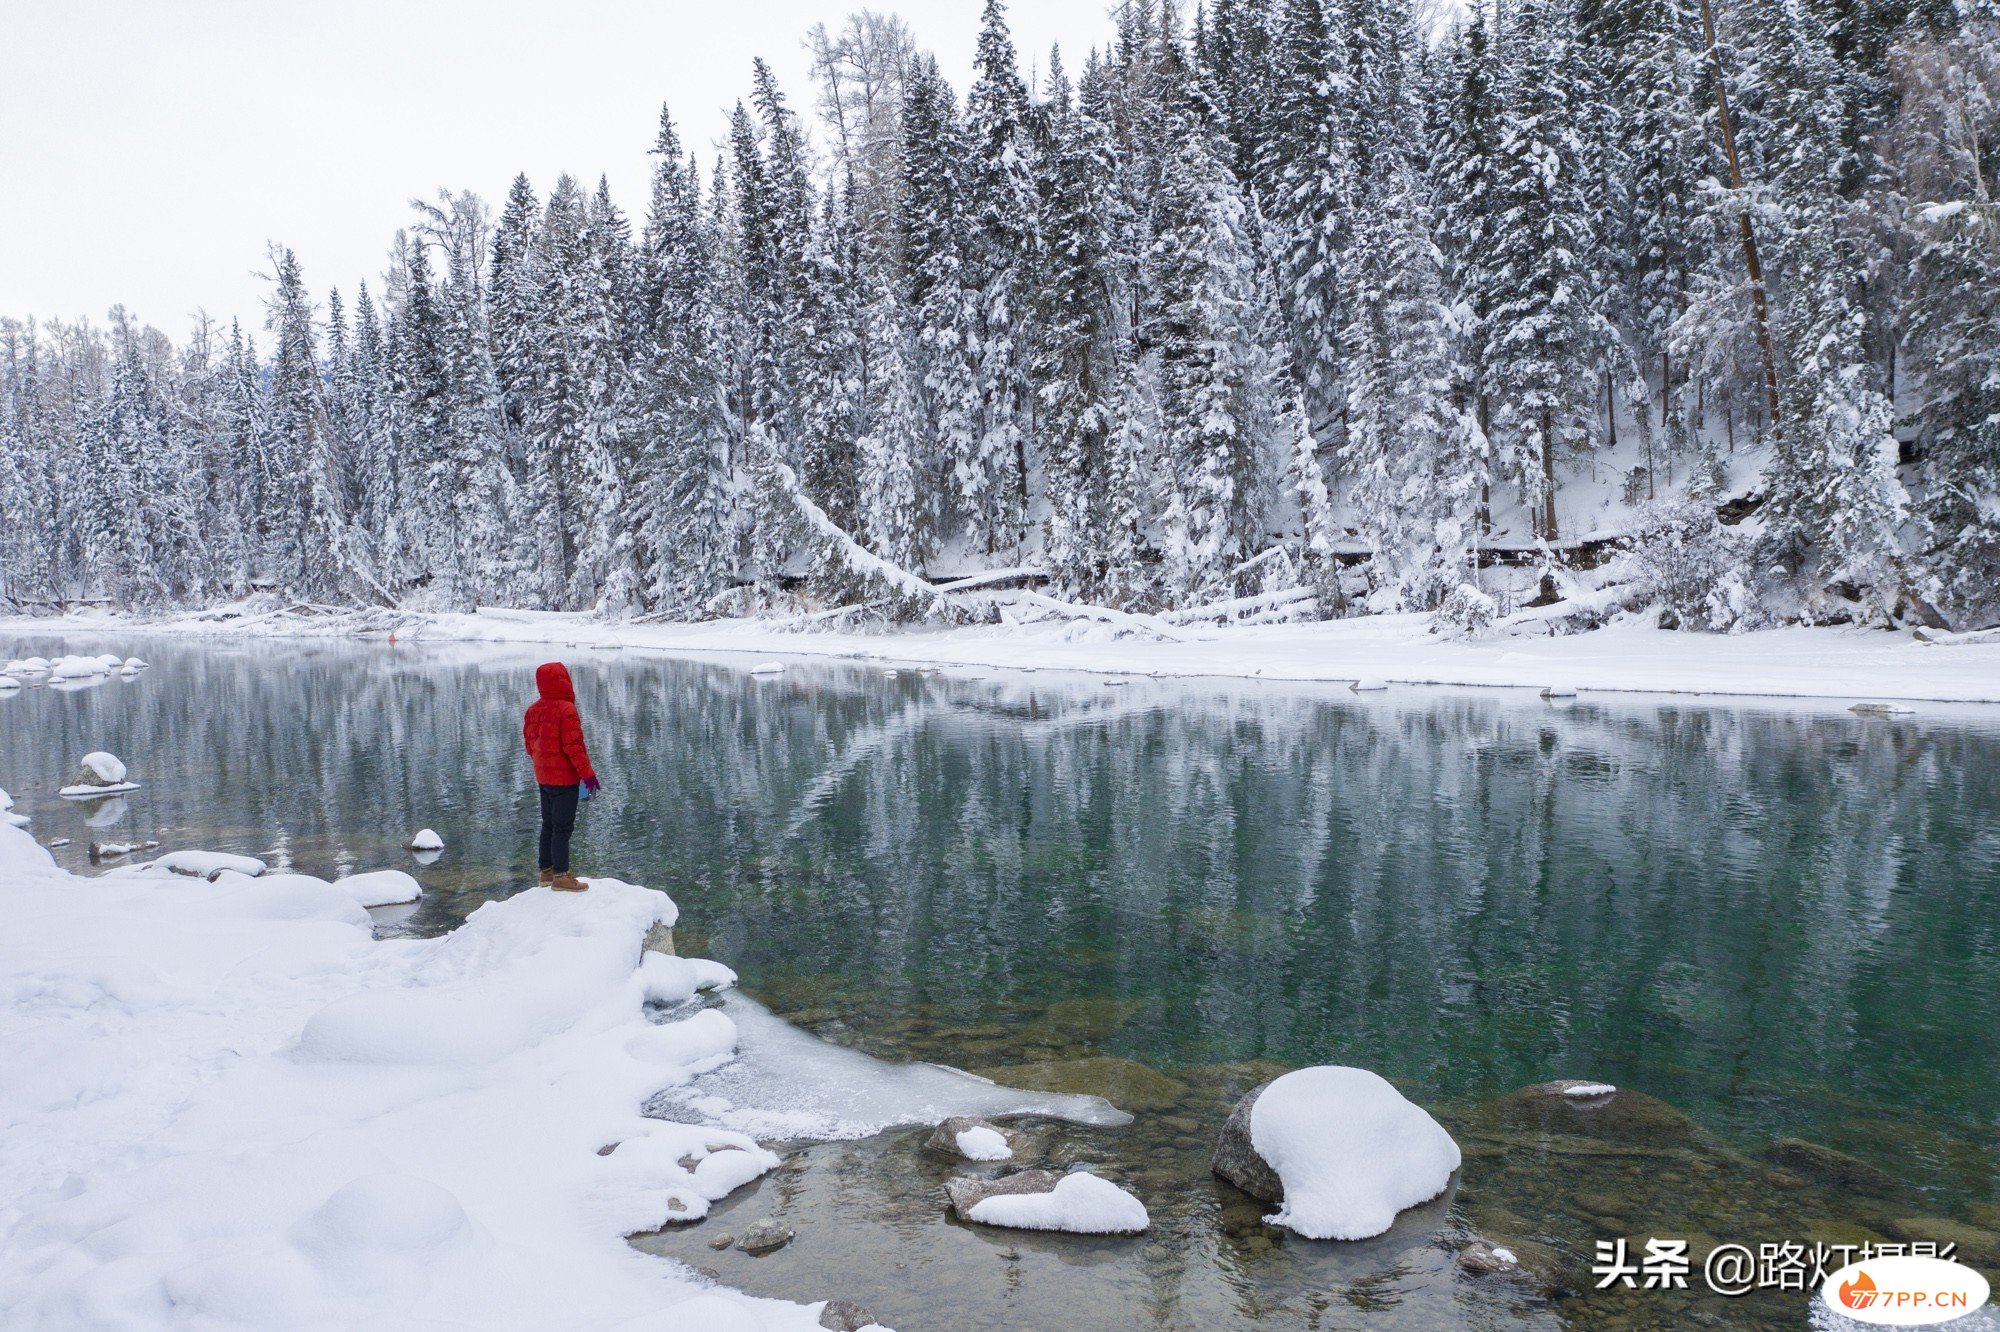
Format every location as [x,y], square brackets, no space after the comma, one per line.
[228,1105]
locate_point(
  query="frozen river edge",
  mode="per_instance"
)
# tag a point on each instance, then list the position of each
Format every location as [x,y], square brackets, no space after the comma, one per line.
[1630,657]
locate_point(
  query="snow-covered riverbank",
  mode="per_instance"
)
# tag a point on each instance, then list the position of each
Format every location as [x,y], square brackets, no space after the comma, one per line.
[228,1105]
[1399,649]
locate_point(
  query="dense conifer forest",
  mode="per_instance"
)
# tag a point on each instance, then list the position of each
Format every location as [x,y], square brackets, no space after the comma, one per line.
[1301,307]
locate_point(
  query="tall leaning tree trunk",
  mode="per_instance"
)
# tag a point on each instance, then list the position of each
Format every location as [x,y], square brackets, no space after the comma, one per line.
[1759,306]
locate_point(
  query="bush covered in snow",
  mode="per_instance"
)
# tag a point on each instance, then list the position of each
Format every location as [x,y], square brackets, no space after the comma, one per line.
[1466,612]
[1686,562]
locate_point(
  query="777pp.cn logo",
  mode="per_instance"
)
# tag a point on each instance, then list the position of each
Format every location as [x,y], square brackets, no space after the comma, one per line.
[1905,1291]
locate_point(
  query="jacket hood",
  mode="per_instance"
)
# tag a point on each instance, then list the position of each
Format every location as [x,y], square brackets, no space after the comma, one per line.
[552,678]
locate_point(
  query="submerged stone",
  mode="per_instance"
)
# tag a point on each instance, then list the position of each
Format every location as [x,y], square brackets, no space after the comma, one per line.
[1125,1083]
[1620,1115]
[1831,1167]
[1090,1018]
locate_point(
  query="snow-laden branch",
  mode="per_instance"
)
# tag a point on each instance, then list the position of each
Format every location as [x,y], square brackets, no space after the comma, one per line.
[1151,624]
[1222,610]
[851,552]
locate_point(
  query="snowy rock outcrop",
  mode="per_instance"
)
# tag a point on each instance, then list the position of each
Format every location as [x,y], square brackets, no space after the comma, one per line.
[424,839]
[101,774]
[8,818]
[1339,1148]
[1080,1203]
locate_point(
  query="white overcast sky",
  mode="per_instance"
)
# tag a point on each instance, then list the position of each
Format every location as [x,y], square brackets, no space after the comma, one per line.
[150,148]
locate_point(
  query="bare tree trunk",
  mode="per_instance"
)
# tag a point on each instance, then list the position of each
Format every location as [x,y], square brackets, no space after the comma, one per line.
[1548,477]
[1759,308]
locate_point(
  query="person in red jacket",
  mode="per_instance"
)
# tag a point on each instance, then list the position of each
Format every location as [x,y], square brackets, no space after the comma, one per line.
[553,733]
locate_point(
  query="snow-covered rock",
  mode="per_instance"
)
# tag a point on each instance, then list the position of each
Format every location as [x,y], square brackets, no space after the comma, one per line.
[768,668]
[972,1139]
[208,864]
[1079,1202]
[1369,683]
[79,668]
[1883,709]
[8,818]
[136,664]
[381,888]
[1587,1090]
[101,774]
[424,839]
[8,683]
[27,666]
[1559,691]
[1340,1148]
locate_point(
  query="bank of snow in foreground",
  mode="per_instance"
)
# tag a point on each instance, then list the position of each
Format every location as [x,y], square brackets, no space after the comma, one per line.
[227,1104]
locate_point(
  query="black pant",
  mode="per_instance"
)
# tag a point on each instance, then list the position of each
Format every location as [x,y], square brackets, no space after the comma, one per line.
[558,822]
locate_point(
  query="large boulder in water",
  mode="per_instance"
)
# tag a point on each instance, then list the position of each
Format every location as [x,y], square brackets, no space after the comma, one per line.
[1237,1161]
[1339,1148]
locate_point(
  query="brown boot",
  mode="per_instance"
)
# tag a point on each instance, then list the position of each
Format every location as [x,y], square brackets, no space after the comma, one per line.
[568,883]
[548,876]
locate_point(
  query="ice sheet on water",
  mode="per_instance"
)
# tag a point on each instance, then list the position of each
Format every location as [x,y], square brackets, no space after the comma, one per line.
[790,1084]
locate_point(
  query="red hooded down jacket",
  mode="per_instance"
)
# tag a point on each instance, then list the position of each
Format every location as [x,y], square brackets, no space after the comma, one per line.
[553,732]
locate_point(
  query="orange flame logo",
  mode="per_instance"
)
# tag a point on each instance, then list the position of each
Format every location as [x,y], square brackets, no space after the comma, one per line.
[1858,1293]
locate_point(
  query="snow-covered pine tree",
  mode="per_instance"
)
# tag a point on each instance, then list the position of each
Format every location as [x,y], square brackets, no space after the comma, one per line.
[1000,211]
[1201,273]
[1071,369]
[683,497]
[1548,328]
[1944,151]
[933,225]
[1836,504]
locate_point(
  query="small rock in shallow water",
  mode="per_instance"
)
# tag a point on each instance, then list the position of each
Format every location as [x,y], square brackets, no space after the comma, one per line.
[845,1316]
[1485,1259]
[765,1236]
[722,1241]
[970,1139]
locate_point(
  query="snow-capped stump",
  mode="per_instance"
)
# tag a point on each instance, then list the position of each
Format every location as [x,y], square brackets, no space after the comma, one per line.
[972,1139]
[102,774]
[208,864]
[1079,1203]
[1339,1148]
[1368,684]
[381,888]
[768,668]
[424,839]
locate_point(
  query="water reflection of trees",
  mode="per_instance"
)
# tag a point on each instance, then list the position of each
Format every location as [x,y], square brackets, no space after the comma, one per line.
[1715,903]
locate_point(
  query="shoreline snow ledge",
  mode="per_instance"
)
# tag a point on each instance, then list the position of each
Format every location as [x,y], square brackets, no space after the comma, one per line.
[1340,1148]
[228,1104]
